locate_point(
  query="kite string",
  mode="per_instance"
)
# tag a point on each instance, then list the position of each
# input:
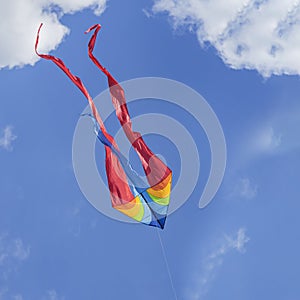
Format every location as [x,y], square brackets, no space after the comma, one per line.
[167,264]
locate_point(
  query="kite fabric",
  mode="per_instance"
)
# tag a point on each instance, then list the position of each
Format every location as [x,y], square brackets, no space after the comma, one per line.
[145,203]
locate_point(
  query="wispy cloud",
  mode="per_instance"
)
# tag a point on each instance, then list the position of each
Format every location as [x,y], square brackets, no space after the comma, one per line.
[238,242]
[3,292]
[52,295]
[260,35]
[19,250]
[12,253]
[266,140]
[245,189]
[7,138]
[6,295]
[17,297]
[20,20]
[282,135]
[74,219]
[277,135]
[211,263]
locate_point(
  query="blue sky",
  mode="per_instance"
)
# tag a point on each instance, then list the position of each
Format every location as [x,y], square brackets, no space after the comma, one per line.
[54,245]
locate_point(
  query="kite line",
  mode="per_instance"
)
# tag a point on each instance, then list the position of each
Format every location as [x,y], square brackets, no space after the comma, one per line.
[167,264]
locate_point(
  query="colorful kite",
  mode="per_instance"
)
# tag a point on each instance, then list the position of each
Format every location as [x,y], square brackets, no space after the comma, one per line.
[145,203]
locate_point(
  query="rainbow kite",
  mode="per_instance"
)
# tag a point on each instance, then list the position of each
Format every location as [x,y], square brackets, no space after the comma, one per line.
[145,203]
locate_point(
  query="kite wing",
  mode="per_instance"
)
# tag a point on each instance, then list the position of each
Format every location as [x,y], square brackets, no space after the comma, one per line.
[127,190]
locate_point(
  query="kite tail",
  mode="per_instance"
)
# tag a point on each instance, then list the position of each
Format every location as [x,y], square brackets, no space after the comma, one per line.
[156,171]
[117,179]
[76,80]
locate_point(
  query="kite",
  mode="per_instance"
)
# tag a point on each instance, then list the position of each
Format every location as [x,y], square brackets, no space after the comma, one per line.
[145,202]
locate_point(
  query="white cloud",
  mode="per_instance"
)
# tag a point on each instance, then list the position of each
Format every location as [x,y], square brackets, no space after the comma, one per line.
[20,20]
[256,34]
[214,260]
[7,138]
